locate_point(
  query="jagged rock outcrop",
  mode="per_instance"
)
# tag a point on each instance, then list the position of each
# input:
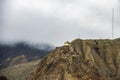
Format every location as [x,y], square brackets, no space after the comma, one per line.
[81,60]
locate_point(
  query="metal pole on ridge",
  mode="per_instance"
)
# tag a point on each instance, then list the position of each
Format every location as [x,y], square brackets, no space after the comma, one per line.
[112,23]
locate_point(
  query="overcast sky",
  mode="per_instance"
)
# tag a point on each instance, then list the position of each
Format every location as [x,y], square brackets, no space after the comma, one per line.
[56,21]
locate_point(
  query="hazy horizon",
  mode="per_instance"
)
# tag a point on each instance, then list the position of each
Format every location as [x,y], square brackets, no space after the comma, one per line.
[56,21]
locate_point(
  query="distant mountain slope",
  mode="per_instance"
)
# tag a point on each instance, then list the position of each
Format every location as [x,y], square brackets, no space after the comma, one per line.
[18,72]
[21,53]
[81,60]
[118,39]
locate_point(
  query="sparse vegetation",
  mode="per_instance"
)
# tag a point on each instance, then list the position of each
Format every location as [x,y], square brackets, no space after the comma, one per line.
[18,72]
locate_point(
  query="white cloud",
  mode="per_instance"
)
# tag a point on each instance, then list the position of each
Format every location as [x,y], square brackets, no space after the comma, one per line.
[57,20]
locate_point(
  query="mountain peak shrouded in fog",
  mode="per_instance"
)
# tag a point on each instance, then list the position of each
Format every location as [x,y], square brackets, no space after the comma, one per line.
[88,59]
[19,53]
[54,22]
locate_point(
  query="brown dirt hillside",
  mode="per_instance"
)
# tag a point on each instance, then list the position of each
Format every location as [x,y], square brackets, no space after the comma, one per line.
[81,60]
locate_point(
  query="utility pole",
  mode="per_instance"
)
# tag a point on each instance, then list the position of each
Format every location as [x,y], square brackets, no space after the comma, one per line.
[112,23]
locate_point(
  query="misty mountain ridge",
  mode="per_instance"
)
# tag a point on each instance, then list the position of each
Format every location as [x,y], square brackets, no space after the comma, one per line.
[17,53]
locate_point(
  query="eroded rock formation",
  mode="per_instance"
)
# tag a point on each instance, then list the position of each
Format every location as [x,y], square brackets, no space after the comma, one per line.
[81,60]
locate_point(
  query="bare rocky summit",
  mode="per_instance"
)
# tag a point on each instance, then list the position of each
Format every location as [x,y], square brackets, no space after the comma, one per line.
[81,60]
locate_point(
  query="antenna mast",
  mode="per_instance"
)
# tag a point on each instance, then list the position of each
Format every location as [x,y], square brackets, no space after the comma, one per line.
[112,23]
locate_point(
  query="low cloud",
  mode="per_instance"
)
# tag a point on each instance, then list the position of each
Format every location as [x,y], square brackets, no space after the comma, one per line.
[54,21]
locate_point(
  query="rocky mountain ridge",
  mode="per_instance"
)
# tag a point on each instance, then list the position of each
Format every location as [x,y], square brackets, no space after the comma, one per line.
[81,60]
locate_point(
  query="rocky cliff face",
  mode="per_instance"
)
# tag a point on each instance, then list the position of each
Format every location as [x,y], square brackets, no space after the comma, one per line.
[81,60]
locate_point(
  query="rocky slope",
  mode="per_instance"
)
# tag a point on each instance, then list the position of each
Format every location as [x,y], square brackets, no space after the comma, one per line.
[81,60]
